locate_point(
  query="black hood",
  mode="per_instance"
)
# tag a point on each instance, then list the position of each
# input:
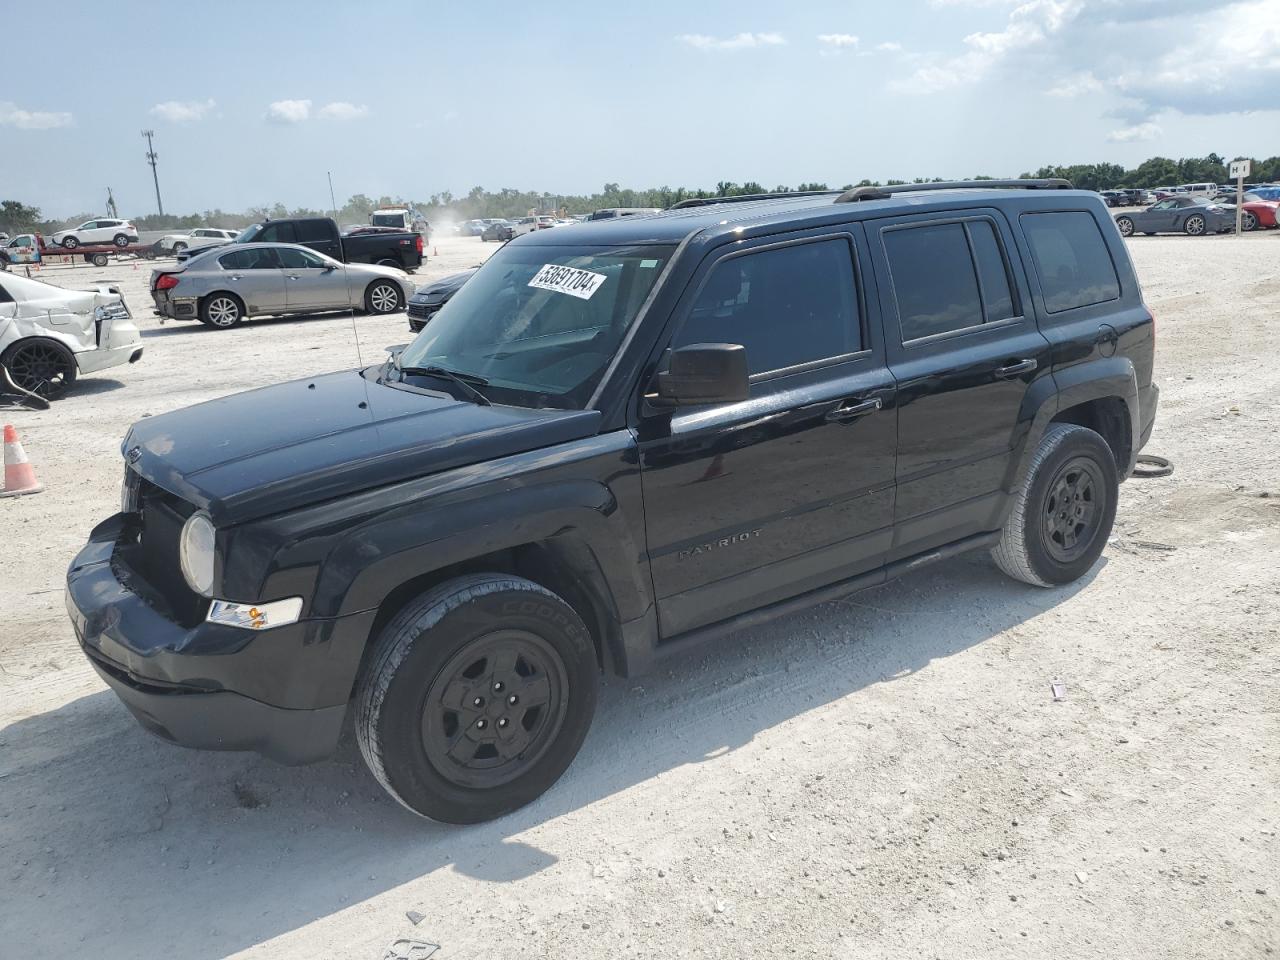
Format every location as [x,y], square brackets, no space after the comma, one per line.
[445,287]
[286,446]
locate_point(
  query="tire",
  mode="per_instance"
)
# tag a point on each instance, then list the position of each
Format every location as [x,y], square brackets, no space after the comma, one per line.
[1041,543]
[1148,233]
[70,243]
[460,643]
[388,262]
[382,297]
[1248,220]
[44,367]
[178,248]
[1194,226]
[1125,226]
[221,310]
[120,240]
[100,260]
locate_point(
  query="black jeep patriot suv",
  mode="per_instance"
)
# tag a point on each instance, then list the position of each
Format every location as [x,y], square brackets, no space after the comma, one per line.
[616,439]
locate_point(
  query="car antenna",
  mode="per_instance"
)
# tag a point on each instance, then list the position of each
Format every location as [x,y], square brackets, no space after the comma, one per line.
[346,274]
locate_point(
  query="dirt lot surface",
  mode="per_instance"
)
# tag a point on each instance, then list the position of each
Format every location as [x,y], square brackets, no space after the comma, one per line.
[886,776]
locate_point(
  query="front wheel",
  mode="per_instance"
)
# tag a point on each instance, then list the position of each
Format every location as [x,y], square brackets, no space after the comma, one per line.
[1195,226]
[383,296]
[477,697]
[1063,514]
[1125,225]
[70,243]
[178,248]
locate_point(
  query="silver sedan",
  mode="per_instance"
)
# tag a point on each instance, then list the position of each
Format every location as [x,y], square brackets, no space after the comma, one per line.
[225,285]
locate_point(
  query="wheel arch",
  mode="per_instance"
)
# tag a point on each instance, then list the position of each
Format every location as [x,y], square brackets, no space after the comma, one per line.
[204,297]
[50,336]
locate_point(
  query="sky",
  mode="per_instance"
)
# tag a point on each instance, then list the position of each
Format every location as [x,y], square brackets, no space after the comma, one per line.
[254,103]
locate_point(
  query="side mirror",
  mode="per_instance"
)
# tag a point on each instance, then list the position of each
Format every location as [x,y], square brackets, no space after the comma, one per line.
[704,373]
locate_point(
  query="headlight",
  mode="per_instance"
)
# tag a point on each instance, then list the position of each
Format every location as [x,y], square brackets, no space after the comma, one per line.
[195,553]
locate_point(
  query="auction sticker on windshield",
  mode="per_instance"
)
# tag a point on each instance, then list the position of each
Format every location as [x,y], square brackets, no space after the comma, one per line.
[570,280]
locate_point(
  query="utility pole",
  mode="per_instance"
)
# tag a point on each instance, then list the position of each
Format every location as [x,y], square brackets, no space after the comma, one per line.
[151,159]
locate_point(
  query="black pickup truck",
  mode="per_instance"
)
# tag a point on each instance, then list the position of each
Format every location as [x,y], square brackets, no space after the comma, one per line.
[617,440]
[386,248]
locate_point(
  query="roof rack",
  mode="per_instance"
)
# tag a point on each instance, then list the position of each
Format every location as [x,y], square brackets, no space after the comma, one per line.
[709,201]
[884,193]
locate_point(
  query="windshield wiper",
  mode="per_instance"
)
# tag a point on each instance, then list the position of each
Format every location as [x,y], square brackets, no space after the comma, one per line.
[464,381]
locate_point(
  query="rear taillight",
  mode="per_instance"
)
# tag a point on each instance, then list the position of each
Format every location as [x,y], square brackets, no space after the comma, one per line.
[167,281]
[418,242]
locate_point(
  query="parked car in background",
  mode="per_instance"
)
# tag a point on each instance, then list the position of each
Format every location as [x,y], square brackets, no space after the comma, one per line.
[610,213]
[1137,197]
[498,230]
[1255,211]
[387,247]
[1199,189]
[221,287]
[1194,216]
[401,218]
[197,239]
[1112,198]
[49,336]
[472,228]
[530,224]
[120,232]
[428,300]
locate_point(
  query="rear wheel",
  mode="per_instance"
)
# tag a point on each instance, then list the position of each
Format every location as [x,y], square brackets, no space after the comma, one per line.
[1248,221]
[120,240]
[1063,514]
[383,296]
[388,262]
[100,260]
[221,310]
[42,367]
[1195,225]
[477,698]
[1125,225]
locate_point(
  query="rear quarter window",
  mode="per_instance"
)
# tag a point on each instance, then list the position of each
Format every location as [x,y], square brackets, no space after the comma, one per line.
[1072,259]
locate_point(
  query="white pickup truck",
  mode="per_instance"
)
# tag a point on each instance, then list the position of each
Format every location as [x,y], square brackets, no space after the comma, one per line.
[49,336]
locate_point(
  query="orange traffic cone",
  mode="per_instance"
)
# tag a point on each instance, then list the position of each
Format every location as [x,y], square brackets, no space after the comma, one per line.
[19,475]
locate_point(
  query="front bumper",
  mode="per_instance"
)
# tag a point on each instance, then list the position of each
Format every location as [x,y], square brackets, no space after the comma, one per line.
[282,693]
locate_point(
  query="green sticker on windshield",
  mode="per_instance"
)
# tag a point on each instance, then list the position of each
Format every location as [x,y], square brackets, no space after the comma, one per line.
[648,263]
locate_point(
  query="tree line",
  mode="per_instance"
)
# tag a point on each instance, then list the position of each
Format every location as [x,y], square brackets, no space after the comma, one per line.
[17,217]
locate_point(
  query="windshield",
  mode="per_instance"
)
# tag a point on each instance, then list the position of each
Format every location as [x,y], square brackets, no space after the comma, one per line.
[248,233]
[388,220]
[541,323]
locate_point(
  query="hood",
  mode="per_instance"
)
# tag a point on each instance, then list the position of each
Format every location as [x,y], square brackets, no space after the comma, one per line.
[445,287]
[294,444]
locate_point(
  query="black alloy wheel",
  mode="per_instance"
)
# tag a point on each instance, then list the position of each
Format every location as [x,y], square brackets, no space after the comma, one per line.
[41,367]
[1072,510]
[494,709]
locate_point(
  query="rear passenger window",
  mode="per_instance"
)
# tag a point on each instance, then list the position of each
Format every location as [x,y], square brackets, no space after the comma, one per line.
[993,271]
[309,231]
[934,281]
[1071,256]
[787,306]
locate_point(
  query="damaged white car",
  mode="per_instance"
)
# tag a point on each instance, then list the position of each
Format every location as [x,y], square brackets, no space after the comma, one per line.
[49,336]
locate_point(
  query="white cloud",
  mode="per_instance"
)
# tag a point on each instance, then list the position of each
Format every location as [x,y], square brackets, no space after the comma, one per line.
[341,110]
[12,116]
[182,111]
[838,41]
[289,111]
[740,41]
[1029,25]
[1140,131]
[1076,85]
[889,46]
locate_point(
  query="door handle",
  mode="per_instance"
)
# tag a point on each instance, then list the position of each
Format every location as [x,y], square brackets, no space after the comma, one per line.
[291,277]
[236,276]
[854,410]
[1016,369]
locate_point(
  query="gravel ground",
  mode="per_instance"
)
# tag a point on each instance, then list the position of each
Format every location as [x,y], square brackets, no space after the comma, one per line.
[885,776]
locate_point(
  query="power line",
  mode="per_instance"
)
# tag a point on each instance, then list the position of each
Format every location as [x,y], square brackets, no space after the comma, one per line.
[151,159]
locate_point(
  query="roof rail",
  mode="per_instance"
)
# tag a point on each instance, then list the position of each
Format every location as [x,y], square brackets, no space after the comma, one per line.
[884,193]
[709,201]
